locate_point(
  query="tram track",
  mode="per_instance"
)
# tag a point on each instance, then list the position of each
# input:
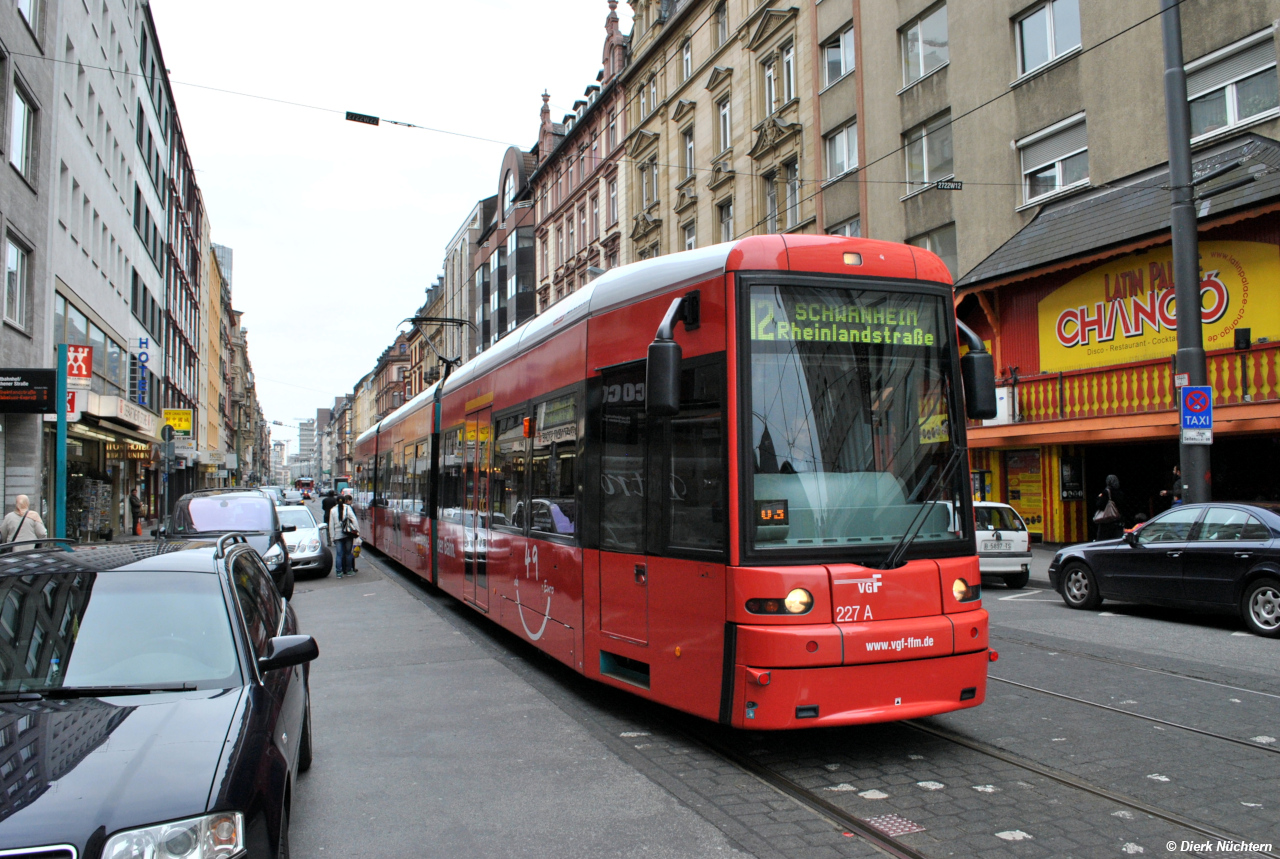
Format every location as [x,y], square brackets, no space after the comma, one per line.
[1246,743]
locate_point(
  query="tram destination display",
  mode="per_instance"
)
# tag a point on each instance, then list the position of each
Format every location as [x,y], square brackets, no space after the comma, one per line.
[28,391]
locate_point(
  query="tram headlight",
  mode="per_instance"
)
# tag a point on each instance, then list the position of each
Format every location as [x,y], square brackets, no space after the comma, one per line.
[965,592]
[799,601]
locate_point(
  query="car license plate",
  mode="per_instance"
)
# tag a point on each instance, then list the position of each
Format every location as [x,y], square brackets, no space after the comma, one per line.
[996,545]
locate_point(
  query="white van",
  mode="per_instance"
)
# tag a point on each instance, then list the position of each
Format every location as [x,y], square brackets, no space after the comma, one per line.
[1004,545]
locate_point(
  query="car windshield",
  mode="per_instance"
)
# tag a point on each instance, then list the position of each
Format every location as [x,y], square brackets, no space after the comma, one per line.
[224,513]
[300,517]
[997,519]
[851,418]
[73,629]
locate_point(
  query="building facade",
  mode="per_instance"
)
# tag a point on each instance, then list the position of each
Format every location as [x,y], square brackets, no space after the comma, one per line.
[502,262]
[30,115]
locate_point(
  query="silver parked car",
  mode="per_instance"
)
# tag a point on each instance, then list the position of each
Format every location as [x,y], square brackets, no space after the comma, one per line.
[309,552]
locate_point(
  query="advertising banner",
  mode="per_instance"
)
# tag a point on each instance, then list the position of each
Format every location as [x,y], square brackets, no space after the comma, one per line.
[180,420]
[1124,311]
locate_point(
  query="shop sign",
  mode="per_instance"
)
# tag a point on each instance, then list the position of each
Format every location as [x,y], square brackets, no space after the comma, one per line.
[1022,477]
[180,420]
[28,391]
[135,414]
[1124,311]
[118,451]
[79,367]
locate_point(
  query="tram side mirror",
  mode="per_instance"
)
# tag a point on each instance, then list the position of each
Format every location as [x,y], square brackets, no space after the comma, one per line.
[978,370]
[662,379]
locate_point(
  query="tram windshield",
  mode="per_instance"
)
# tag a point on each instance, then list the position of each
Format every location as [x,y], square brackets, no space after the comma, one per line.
[851,420]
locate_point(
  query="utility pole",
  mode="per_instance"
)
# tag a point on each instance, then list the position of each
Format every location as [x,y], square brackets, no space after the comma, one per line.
[1194,458]
[60,453]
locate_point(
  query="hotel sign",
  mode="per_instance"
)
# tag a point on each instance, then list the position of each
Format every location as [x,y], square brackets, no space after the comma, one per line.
[1124,311]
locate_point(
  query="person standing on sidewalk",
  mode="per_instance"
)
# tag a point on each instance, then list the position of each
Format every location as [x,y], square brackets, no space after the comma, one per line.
[22,524]
[326,505]
[135,512]
[343,529]
[1174,492]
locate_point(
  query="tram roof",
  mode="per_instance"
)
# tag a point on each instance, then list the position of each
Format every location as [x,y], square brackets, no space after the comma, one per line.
[617,288]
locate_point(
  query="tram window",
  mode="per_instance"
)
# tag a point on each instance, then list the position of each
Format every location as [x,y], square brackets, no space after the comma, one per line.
[623,461]
[451,476]
[506,478]
[553,507]
[387,477]
[422,472]
[696,466]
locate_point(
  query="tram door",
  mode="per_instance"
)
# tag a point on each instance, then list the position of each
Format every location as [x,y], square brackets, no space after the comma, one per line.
[624,573]
[475,508]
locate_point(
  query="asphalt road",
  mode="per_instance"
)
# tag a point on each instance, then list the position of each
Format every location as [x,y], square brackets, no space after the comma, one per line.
[1120,732]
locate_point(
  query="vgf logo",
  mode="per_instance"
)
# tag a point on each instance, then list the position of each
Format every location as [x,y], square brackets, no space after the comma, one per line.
[868,586]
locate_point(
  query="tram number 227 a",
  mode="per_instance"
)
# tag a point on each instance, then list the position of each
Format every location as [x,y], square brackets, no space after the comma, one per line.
[853,613]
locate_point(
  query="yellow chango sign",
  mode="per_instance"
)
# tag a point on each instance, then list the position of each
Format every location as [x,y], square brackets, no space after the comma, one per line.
[1124,311]
[179,419]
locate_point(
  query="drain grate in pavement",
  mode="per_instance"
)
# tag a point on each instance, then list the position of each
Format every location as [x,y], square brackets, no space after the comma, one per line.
[894,824]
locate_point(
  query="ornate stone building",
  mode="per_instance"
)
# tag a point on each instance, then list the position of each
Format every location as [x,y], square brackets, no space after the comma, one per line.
[721,108]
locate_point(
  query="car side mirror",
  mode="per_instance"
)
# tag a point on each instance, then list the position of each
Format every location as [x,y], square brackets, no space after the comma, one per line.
[1131,538]
[287,528]
[978,374]
[324,527]
[286,651]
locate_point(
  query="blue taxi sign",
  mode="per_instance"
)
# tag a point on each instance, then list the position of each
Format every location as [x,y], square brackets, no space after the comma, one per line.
[1197,414]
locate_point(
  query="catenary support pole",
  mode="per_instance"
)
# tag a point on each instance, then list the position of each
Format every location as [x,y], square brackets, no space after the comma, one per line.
[1194,458]
[60,455]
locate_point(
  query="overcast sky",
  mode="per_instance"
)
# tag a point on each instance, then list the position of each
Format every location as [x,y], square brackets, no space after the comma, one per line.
[338,228]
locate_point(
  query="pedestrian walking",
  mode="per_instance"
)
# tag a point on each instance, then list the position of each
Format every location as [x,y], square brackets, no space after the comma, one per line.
[22,524]
[135,512]
[1110,510]
[1174,492]
[330,499]
[343,529]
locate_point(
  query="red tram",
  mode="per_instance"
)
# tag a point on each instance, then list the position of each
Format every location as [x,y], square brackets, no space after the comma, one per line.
[762,517]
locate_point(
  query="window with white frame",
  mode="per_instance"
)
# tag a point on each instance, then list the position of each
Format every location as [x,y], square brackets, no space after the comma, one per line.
[770,86]
[508,193]
[722,23]
[924,44]
[595,217]
[771,202]
[559,245]
[687,137]
[546,258]
[653,94]
[1233,86]
[653,176]
[690,236]
[726,125]
[686,60]
[838,56]
[644,185]
[582,226]
[644,101]
[22,134]
[791,171]
[1046,32]
[842,150]
[851,228]
[788,73]
[613,201]
[15,284]
[613,131]
[31,10]
[571,248]
[942,242]
[1054,159]
[928,151]
[724,213]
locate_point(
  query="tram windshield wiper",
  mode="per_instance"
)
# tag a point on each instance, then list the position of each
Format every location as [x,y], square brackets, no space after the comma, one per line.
[904,542]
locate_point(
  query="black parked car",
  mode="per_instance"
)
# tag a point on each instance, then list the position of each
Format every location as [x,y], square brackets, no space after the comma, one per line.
[1216,556]
[211,513]
[154,702]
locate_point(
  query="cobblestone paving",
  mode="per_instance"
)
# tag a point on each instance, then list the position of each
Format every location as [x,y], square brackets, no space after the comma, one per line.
[969,803]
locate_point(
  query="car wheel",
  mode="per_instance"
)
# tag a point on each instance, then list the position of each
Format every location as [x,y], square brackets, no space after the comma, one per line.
[1017,581]
[1080,587]
[1261,608]
[304,747]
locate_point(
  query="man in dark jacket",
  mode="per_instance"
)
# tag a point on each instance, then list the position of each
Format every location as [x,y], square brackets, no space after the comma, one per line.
[1174,492]
[330,499]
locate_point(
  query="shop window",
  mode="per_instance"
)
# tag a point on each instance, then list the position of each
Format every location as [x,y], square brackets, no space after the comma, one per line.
[1234,86]
[1055,159]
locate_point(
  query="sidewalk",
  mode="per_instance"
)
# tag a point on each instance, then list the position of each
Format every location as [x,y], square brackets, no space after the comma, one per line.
[427,745]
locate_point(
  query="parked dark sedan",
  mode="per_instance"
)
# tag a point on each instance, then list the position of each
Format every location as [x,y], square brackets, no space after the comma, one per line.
[1216,556]
[210,513]
[154,703]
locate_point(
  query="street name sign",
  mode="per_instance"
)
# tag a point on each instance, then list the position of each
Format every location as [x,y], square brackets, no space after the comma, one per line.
[1197,414]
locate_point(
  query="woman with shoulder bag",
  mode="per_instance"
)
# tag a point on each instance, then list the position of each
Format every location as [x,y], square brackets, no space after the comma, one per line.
[1109,516]
[343,529]
[22,524]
